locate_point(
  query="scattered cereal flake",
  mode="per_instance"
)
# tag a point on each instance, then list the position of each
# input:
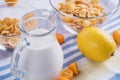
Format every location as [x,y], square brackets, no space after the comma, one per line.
[83,6]
[86,23]
[60,6]
[95,1]
[72,1]
[67,19]
[83,13]
[4,40]
[69,7]
[13,41]
[2,27]
[5,32]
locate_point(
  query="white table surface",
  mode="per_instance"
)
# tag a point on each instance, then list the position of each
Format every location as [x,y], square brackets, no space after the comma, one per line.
[89,71]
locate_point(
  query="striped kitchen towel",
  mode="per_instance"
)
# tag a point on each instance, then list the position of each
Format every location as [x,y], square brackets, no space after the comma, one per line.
[109,70]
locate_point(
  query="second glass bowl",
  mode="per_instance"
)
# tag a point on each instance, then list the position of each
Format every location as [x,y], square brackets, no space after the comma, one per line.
[75,24]
[9,18]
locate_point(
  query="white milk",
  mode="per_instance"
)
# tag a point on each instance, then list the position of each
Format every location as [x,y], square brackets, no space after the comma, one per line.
[43,59]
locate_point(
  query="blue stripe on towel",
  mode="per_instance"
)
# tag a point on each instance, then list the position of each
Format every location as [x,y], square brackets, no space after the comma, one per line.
[69,45]
[113,26]
[17,79]
[71,53]
[72,60]
[4,77]
[70,38]
[5,67]
[114,19]
[116,77]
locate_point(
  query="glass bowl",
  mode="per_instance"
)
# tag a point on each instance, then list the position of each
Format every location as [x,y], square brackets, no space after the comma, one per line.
[9,18]
[78,14]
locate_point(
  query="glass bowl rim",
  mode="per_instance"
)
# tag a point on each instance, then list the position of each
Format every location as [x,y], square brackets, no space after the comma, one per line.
[65,14]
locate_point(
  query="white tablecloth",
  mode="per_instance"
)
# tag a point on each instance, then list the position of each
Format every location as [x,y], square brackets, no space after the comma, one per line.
[109,70]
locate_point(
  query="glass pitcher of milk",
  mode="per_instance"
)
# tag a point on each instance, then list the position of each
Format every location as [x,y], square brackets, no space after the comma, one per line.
[38,56]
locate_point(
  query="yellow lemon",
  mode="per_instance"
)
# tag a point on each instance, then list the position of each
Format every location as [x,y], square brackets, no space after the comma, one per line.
[96,44]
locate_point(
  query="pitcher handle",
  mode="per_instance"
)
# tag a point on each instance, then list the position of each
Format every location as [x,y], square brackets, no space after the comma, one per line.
[15,60]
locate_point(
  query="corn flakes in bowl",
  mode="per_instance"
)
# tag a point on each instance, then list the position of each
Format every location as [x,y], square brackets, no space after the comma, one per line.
[9,32]
[78,14]
[9,19]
